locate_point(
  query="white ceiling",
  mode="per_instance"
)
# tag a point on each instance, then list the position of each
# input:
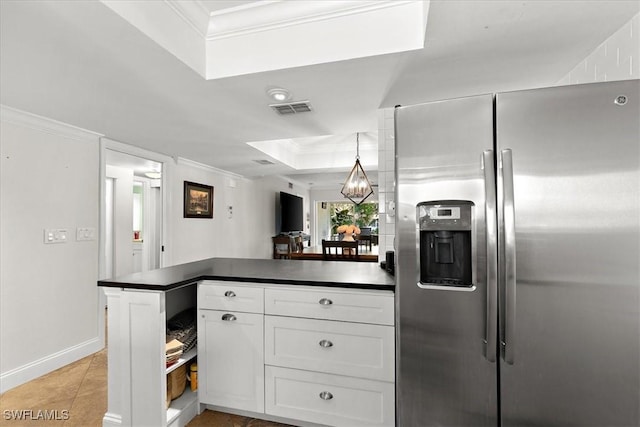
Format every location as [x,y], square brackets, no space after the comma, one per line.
[80,63]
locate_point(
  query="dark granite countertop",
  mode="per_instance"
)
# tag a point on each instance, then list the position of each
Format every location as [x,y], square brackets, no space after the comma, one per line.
[343,274]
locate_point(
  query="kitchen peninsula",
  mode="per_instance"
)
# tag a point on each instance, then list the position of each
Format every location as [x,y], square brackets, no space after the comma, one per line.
[303,342]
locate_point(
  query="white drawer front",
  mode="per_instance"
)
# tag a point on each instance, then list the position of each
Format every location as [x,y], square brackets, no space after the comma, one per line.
[230,296]
[353,349]
[331,305]
[328,399]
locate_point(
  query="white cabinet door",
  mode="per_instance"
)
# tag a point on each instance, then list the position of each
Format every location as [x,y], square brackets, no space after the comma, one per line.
[353,349]
[231,365]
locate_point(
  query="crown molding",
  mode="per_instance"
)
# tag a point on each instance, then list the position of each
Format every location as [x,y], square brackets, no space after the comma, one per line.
[132,150]
[46,125]
[233,41]
[271,15]
[295,182]
[191,163]
[193,12]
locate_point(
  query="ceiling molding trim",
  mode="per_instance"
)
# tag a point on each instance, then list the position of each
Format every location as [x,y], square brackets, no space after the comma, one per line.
[245,42]
[47,125]
[287,179]
[171,24]
[265,16]
[132,150]
[191,163]
[193,13]
[233,41]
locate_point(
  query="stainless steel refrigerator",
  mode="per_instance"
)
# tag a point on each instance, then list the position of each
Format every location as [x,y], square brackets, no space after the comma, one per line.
[517,258]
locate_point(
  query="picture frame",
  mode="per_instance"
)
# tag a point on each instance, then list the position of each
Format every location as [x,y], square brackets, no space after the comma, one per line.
[198,200]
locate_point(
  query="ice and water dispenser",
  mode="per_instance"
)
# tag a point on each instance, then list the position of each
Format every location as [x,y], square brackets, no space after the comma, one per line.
[445,242]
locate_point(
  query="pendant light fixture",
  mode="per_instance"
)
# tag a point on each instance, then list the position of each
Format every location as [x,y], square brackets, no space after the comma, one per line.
[357,186]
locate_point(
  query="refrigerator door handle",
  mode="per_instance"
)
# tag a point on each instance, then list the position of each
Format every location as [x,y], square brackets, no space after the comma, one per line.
[492,254]
[508,209]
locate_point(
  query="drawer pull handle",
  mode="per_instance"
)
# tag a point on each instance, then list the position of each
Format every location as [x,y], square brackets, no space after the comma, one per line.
[325,301]
[325,344]
[230,294]
[228,317]
[325,395]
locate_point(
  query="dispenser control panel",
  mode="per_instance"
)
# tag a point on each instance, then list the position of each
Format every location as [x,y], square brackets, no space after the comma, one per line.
[444,212]
[438,215]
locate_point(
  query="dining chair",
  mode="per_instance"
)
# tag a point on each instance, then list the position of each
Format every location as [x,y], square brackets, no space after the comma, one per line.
[364,238]
[281,247]
[340,250]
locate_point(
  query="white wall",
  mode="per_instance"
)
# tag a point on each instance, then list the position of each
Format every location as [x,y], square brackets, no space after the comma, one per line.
[50,313]
[198,238]
[48,293]
[245,233]
[263,203]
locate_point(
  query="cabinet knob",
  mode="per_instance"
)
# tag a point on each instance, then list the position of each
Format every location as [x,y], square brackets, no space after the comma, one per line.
[325,344]
[228,317]
[325,301]
[325,395]
[230,294]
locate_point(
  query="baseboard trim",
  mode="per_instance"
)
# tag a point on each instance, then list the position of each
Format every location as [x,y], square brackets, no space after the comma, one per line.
[35,369]
[111,420]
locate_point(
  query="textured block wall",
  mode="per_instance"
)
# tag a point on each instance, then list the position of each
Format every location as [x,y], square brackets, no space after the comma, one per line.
[618,58]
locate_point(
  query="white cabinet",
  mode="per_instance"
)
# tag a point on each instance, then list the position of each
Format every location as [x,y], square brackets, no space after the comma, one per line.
[137,374]
[298,354]
[231,346]
[330,356]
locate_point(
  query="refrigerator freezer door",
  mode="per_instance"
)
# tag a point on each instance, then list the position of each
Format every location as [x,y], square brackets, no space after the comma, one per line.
[576,158]
[445,375]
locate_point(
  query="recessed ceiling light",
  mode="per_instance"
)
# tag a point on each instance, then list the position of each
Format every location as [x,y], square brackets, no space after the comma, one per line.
[279,94]
[153,175]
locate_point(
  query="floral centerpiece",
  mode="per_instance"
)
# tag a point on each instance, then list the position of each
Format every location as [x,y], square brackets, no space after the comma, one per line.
[349,231]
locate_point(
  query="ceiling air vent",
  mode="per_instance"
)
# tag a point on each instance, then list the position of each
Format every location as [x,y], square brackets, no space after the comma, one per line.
[292,107]
[264,162]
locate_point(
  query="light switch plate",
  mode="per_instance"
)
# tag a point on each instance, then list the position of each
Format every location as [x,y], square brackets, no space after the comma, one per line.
[55,235]
[85,234]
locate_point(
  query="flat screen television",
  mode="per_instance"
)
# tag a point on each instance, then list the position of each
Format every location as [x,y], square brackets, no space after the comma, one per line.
[289,213]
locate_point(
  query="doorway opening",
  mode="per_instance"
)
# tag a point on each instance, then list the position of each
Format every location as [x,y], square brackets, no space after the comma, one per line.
[133,214]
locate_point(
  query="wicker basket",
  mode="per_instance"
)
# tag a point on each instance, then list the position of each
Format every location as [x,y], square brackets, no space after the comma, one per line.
[176,383]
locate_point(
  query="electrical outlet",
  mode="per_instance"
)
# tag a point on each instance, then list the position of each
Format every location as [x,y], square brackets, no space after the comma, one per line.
[85,234]
[55,235]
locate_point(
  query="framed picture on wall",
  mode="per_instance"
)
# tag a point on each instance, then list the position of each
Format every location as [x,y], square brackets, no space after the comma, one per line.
[198,200]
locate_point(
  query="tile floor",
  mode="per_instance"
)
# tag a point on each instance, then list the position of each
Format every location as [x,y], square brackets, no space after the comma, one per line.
[76,396]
